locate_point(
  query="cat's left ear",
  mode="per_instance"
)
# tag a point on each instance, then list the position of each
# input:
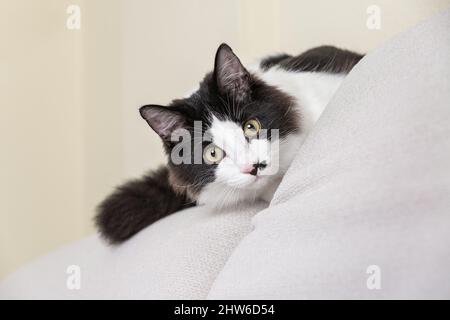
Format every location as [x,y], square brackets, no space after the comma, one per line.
[231,77]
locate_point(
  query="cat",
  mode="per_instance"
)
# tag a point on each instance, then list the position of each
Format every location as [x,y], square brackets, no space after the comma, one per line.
[282,95]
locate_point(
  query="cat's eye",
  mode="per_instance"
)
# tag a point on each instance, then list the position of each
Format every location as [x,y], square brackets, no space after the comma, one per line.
[251,128]
[213,154]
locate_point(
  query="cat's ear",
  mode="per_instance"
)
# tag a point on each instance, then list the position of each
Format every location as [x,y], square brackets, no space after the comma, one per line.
[163,120]
[230,75]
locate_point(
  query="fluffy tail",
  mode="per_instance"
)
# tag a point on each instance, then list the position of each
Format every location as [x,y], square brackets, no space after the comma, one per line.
[137,204]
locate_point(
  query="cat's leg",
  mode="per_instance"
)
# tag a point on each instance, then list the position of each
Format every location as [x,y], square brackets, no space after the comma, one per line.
[137,204]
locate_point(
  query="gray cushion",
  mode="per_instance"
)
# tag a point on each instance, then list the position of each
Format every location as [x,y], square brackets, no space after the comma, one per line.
[368,192]
[176,258]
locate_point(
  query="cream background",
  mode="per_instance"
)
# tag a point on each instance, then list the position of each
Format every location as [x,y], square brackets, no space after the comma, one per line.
[69,127]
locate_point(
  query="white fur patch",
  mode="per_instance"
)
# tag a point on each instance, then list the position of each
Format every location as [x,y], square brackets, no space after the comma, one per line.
[232,182]
[312,90]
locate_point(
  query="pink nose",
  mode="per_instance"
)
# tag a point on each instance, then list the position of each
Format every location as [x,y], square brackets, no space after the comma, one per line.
[247,169]
[250,170]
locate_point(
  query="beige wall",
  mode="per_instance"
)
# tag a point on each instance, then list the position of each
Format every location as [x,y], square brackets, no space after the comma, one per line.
[69,127]
[41,131]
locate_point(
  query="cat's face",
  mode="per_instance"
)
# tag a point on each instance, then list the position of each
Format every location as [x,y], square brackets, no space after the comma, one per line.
[230,138]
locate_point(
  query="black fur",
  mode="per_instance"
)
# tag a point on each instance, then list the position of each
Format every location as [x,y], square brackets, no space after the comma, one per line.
[271,61]
[137,204]
[321,59]
[229,92]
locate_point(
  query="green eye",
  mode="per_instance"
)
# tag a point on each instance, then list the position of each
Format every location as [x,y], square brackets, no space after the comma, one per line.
[251,128]
[213,154]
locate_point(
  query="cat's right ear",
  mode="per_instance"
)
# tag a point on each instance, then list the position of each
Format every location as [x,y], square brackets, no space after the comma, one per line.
[163,120]
[231,77]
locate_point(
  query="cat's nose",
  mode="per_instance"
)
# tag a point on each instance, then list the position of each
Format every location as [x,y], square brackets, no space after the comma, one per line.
[250,169]
[253,170]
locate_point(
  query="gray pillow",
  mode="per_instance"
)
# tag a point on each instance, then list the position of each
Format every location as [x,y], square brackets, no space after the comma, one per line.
[364,211]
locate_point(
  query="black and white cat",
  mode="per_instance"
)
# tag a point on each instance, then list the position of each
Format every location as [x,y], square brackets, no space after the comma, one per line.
[282,97]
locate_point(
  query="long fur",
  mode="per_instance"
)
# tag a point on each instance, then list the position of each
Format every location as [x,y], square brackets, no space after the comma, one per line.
[137,204]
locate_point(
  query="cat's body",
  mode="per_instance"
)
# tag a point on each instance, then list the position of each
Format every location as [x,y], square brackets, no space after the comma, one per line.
[254,121]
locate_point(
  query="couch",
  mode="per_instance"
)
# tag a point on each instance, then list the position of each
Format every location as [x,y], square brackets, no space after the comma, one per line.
[362,213]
